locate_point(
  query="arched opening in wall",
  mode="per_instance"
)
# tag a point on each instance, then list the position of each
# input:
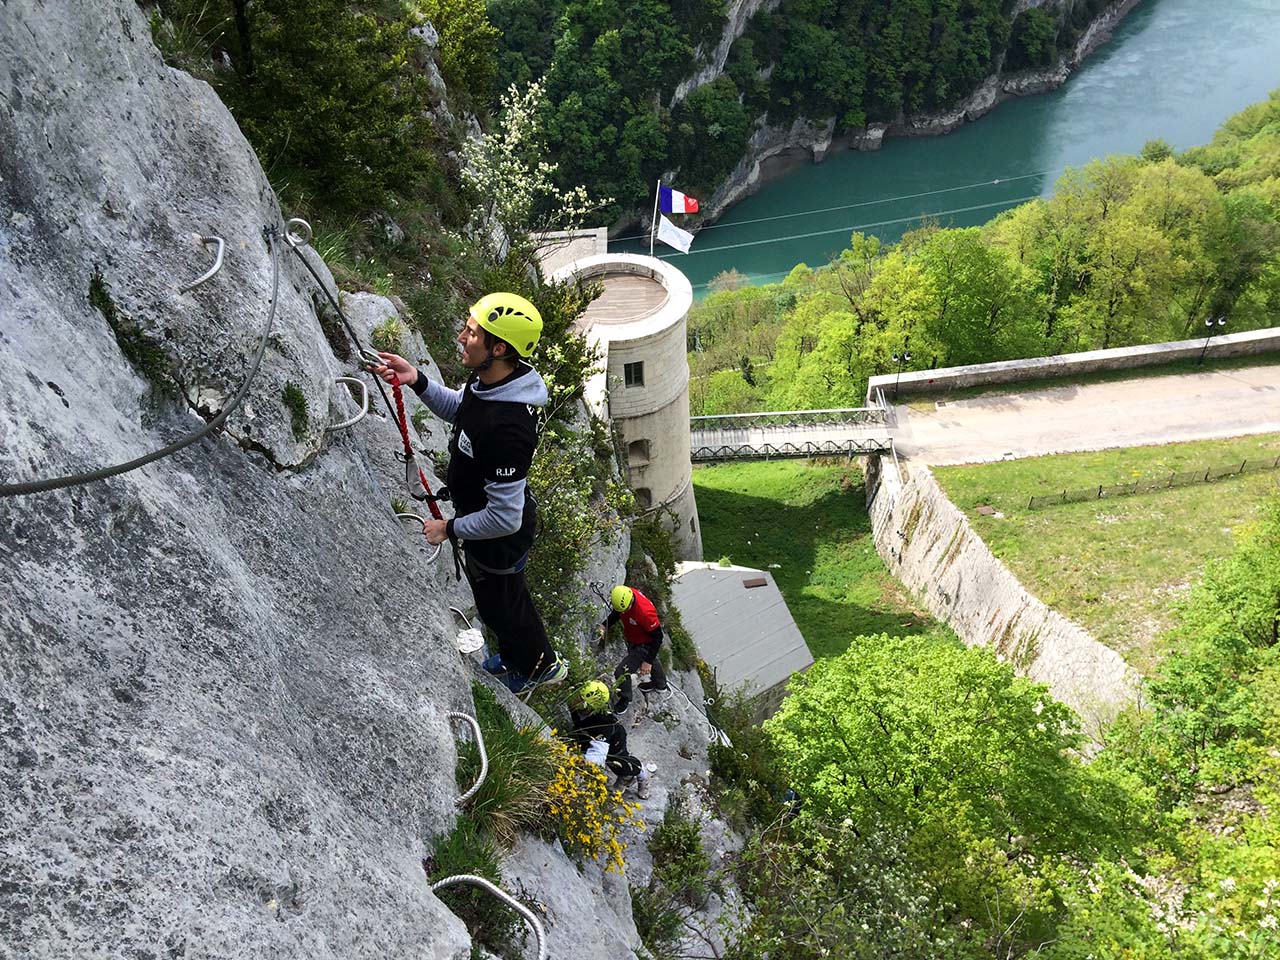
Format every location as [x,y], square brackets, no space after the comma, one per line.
[644,498]
[638,453]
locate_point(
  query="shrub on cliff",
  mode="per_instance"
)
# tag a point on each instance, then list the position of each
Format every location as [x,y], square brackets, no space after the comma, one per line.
[328,94]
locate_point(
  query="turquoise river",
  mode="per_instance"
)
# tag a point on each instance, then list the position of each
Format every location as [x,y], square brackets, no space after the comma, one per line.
[1174,69]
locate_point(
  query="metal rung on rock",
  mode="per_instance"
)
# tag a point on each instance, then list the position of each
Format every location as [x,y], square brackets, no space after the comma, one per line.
[501,894]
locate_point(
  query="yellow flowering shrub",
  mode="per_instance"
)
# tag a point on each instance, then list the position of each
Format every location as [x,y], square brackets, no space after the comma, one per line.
[587,815]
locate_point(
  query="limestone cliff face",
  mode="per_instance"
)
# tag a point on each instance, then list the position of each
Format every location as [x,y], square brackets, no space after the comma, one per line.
[711,62]
[773,149]
[224,676]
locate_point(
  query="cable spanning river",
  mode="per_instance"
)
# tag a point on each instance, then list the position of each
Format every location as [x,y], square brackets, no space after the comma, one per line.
[1174,69]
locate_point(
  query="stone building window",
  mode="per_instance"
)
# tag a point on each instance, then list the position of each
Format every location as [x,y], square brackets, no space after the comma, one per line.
[638,453]
[644,498]
[633,374]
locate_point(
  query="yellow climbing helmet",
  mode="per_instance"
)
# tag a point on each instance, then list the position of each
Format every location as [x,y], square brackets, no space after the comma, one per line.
[621,598]
[594,695]
[509,317]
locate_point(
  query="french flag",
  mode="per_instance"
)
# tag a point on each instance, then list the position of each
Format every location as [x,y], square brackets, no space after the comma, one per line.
[673,201]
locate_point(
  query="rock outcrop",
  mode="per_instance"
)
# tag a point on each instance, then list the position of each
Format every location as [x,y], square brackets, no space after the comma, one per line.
[711,62]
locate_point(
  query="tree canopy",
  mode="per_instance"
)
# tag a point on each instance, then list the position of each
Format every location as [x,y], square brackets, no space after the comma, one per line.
[618,118]
[1127,250]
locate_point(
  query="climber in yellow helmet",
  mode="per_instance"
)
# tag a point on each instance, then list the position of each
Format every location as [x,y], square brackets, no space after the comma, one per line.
[495,418]
[596,731]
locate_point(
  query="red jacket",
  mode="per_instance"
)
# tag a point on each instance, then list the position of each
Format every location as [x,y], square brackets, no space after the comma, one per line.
[640,621]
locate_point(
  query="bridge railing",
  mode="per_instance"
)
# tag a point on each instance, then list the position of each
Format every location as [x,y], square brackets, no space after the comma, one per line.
[790,418]
[770,451]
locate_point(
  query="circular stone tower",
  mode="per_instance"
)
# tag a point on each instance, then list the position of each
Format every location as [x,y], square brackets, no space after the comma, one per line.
[638,324]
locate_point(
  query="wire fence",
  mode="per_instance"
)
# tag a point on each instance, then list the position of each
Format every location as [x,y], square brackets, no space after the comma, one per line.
[1184,479]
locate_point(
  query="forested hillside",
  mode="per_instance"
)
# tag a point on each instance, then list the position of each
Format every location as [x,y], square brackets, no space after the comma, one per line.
[612,69]
[1127,250]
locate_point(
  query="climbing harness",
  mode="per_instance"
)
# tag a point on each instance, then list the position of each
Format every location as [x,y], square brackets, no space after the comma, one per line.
[484,757]
[501,894]
[57,483]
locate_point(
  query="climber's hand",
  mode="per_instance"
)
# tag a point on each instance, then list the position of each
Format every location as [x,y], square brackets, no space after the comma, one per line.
[396,369]
[435,531]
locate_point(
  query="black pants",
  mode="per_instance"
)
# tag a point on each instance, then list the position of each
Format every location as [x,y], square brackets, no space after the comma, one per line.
[638,653]
[504,604]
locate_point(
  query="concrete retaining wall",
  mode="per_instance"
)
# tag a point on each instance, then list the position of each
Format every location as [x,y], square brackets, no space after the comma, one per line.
[927,543]
[916,382]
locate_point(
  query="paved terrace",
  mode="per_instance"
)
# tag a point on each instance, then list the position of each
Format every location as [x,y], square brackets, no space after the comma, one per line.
[1011,421]
[1125,413]
[626,297]
[1017,419]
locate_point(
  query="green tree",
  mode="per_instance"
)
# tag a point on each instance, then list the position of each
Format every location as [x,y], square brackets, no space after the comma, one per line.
[1032,40]
[727,392]
[335,102]
[468,44]
[1204,724]
[974,763]
[820,885]
[714,128]
[987,304]
[332,97]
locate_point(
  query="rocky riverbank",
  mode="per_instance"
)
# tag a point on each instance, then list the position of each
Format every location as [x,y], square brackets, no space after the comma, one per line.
[775,150]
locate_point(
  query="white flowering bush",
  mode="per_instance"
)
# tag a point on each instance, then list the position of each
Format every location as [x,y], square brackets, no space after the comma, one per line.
[507,169]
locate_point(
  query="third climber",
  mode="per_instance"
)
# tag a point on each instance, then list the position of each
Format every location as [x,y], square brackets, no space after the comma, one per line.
[643,632]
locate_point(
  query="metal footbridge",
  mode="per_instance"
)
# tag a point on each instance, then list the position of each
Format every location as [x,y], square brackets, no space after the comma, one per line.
[850,431]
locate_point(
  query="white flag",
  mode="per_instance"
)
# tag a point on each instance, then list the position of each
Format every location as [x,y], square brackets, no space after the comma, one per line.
[673,236]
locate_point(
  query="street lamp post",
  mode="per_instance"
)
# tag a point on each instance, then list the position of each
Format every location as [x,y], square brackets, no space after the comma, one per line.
[1210,324]
[901,359]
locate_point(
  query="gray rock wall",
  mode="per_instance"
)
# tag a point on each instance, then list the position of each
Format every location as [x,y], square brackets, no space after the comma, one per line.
[927,543]
[223,676]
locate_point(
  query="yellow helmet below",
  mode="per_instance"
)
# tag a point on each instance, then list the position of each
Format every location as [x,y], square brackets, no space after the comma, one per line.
[621,598]
[509,317]
[594,695]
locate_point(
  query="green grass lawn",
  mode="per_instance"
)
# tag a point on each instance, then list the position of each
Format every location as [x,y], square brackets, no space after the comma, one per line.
[811,520]
[1115,566]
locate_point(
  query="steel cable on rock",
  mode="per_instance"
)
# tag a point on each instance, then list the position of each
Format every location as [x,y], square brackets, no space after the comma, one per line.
[75,479]
[304,240]
[484,754]
[368,357]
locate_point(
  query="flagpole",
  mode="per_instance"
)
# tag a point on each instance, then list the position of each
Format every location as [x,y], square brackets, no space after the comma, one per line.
[653,224]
